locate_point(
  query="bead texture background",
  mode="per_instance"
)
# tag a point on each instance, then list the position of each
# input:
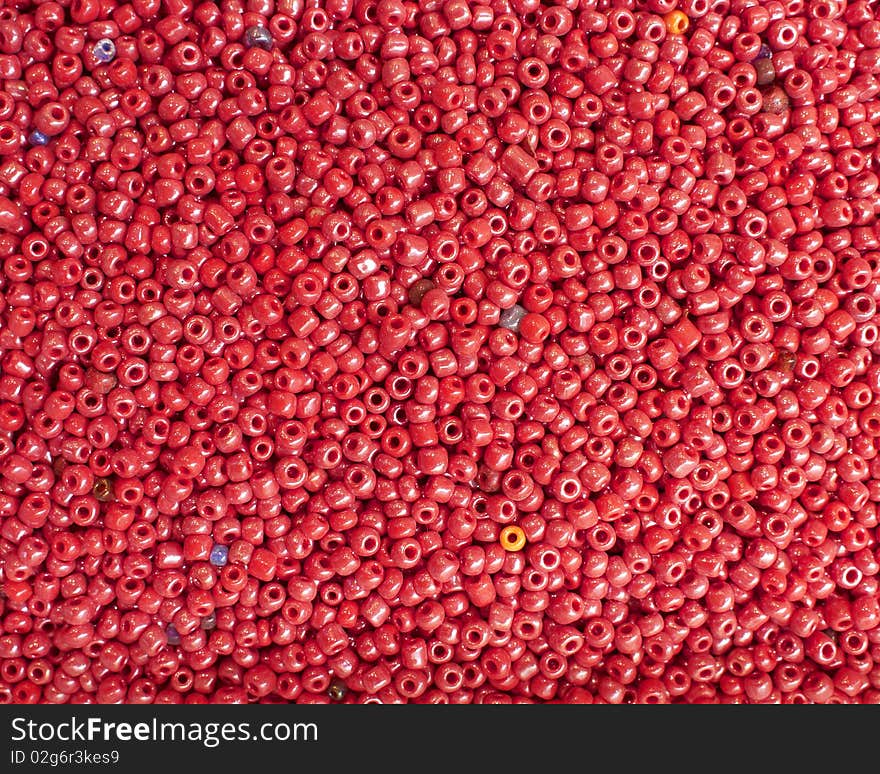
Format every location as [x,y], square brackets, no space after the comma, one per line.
[461,351]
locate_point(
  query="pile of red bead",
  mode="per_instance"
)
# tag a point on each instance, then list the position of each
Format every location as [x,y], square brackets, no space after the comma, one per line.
[439,351]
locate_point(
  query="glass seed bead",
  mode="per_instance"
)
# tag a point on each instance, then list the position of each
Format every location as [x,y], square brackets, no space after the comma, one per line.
[765,72]
[513,538]
[512,317]
[258,37]
[104,50]
[677,22]
[103,490]
[337,690]
[219,556]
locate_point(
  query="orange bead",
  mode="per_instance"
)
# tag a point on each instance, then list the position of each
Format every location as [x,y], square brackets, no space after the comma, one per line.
[677,22]
[513,538]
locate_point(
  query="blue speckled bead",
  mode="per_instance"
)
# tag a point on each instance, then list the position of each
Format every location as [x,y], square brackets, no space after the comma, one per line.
[765,52]
[209,622]
[38,138]
[258,37]
[173,635]
[219,556]
[511,318]
[104,50]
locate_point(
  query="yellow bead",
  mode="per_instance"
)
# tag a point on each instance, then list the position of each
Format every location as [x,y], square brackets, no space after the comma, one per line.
[677,22]
[513,538]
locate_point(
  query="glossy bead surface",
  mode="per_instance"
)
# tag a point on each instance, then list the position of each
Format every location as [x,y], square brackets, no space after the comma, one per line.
[439,351]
